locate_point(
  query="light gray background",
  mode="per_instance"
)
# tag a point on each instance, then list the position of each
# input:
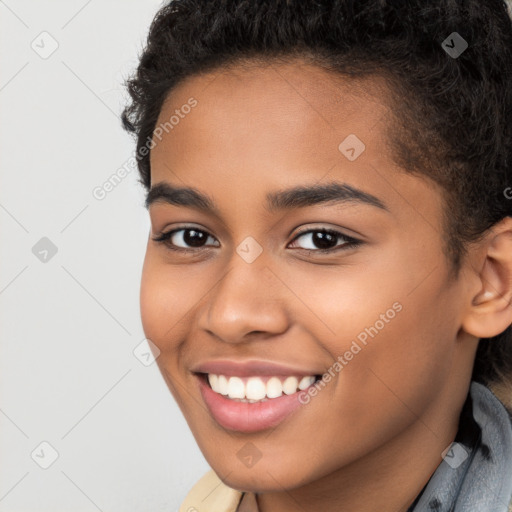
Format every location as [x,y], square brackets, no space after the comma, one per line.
[69,325]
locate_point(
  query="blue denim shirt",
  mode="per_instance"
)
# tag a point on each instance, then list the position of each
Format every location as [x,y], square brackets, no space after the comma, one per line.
[476,472]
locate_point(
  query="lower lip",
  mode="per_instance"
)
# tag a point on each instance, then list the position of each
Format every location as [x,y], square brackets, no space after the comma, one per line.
[246,416]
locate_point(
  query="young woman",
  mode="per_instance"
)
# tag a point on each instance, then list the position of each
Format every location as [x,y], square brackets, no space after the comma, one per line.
[328,276]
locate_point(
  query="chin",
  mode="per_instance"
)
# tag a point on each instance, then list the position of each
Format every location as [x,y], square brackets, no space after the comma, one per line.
[262,478]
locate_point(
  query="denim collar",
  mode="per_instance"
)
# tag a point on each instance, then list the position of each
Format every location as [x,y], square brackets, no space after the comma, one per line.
[475,474]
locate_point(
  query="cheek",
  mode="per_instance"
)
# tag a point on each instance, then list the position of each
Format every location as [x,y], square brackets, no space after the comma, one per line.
[160,303]
[150,299]
[395,338]
[406,360]
[403,365]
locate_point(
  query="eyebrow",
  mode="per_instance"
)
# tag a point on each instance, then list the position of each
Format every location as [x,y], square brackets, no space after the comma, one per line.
[297,197]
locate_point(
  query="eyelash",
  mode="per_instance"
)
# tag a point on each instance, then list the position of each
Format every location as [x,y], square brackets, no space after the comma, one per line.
[350,242]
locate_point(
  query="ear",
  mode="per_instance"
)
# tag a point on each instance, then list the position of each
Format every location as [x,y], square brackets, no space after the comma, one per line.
[490,311]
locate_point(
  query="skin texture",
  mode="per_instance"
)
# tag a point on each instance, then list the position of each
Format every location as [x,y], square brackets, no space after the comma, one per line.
[376,432]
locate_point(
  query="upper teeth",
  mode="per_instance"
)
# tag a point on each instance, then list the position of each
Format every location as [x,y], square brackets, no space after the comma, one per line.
[255,388]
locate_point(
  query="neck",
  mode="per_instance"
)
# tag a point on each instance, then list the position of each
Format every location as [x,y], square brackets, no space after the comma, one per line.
[391,476]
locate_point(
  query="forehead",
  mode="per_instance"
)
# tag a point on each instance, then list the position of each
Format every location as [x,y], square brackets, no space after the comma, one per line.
[259,128]
[256,106]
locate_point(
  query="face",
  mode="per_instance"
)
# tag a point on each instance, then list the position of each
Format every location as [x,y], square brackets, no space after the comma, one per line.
[266,287]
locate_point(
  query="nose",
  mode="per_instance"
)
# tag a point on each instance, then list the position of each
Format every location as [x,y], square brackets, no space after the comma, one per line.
[248,301]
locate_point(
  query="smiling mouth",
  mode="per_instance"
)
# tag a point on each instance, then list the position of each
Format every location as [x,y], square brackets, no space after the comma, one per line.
[256,389]
[251,403]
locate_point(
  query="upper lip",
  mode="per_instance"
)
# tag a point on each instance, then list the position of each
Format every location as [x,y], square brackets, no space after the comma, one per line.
[249,368]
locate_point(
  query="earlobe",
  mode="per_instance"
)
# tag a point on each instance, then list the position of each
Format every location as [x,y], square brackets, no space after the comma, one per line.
[491,308]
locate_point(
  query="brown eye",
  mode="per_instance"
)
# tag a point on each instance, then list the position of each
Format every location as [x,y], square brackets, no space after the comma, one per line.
[184,239]
[324,240]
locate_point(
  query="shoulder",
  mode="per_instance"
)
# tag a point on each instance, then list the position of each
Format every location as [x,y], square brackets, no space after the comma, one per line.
[210,494]
[502,390]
